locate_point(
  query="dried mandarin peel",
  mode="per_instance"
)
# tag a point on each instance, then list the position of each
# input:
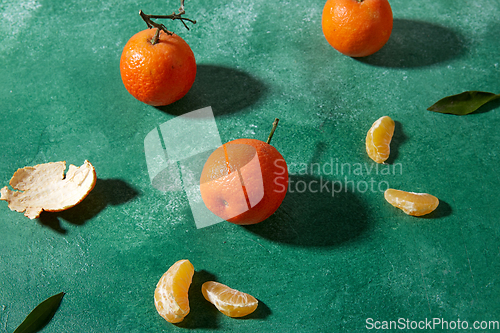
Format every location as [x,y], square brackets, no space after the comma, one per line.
[46,187]
[378,139]
[414,204]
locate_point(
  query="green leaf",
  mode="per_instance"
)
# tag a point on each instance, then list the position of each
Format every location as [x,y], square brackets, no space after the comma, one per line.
[464,103]
[41,315]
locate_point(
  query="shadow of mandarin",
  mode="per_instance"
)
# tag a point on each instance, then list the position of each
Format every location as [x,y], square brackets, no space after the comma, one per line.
[416,43]
[316,212]
[227,90]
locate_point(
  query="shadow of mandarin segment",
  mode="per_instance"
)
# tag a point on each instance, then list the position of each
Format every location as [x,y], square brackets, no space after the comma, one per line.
[106,192]
[262,312]
[398,139]
[226,90]
[417,44]
[442,210]
[313,216]
[202,314]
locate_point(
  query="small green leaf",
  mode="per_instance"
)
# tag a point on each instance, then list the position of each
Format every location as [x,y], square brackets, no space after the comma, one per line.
[41,315]
[464,103]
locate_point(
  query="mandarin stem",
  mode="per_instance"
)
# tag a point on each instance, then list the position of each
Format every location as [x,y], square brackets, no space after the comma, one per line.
[147,18]
[156,37]
[275,124]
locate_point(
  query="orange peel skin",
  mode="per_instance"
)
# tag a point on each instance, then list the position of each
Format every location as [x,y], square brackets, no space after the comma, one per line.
[45,187]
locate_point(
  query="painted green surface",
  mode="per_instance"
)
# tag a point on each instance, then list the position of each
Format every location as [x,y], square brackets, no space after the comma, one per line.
[323,262]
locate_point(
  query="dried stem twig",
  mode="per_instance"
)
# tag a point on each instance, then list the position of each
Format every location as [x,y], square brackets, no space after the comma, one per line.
[174,16]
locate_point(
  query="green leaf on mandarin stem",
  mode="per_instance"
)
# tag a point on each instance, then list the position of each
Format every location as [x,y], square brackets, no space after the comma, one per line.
[41,315]
[464,103]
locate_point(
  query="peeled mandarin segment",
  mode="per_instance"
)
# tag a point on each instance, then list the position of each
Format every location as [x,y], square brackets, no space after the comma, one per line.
[231,302]
[171,294]
[379,138]
[46,187]
[415,204]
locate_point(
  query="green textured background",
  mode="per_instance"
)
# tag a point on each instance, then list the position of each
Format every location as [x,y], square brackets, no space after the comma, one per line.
[320,263]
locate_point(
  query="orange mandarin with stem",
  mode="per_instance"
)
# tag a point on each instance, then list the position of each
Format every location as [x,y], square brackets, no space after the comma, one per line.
[244,181]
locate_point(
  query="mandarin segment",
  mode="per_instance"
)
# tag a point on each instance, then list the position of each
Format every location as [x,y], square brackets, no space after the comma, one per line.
[231,302]
[171,293]
[378,139]
[415,204]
